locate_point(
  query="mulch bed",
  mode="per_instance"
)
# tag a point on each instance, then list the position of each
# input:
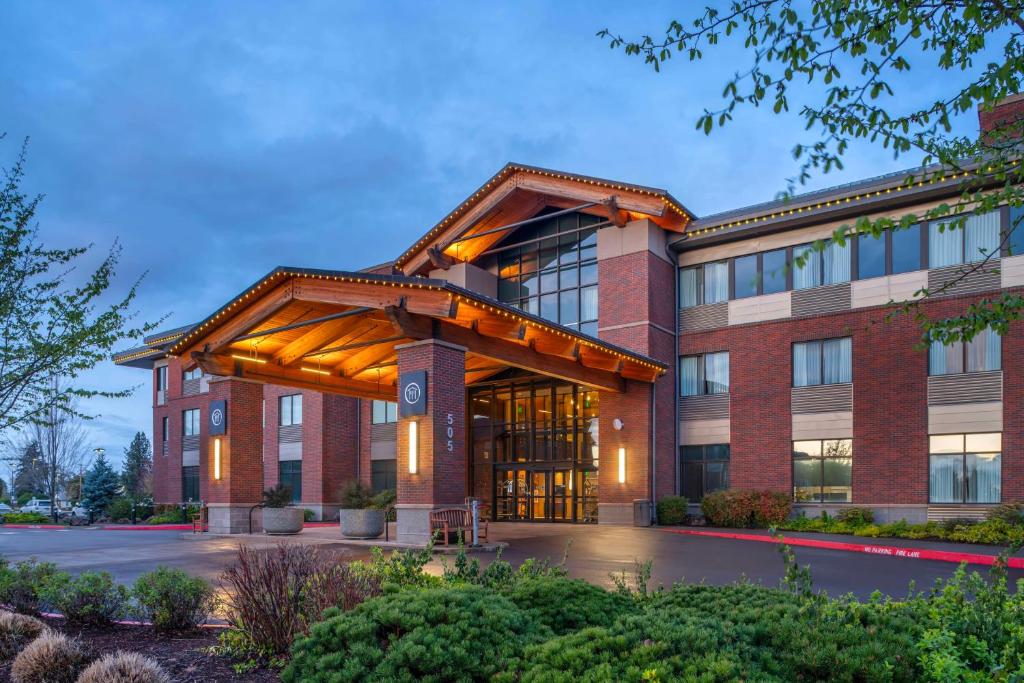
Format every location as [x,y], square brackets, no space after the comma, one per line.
[183,655]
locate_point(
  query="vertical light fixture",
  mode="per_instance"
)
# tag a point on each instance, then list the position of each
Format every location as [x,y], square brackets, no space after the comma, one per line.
[622,465]
[216,459]
[413,447]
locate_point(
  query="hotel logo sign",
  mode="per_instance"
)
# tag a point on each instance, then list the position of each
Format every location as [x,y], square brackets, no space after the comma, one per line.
[412,394]
[218,417]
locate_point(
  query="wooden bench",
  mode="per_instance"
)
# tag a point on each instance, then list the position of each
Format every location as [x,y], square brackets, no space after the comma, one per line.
[448,520]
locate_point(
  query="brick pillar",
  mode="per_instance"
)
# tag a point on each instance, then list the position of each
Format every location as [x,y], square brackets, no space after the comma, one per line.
[440,478]
[633,408]
[241,472]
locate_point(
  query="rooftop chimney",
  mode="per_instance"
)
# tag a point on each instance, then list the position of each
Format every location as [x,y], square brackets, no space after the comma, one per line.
[1007,110]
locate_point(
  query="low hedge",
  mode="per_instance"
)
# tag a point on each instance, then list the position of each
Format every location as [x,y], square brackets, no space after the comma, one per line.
[26,518]
[565,605]
[672,510]
[993,531]
[746,509]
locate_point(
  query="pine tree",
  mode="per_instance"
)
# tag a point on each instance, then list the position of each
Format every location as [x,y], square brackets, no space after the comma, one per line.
[101,485]
[138,465]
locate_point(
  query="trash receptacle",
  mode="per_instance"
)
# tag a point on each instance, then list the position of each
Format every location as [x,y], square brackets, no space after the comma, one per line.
[642,512]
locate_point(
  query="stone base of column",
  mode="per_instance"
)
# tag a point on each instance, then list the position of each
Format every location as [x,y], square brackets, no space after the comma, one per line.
[413,523]
[231,518]
[615,514]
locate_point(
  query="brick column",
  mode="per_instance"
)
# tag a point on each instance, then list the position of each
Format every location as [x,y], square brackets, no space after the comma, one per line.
[241,471]
[440,478]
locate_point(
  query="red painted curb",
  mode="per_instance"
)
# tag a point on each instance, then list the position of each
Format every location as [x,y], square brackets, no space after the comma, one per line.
[884,550]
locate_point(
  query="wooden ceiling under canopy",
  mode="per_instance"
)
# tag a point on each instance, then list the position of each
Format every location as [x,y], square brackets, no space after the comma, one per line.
[519,192]
[336,332]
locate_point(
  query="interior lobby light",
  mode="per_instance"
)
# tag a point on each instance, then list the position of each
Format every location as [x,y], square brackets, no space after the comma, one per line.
[413,447]
[316,371]
[622,465]
[216,459]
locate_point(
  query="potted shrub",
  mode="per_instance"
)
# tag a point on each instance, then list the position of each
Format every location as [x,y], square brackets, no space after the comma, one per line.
[362,513]
[279,515]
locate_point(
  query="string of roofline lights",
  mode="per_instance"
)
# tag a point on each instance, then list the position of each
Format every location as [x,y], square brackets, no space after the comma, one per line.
[173,351]
[500,177]
[832,202]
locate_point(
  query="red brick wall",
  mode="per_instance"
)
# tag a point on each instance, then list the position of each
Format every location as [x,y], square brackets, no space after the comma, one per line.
[338,446]
[1009,110]
[167,470]
[441,475]
[241,480]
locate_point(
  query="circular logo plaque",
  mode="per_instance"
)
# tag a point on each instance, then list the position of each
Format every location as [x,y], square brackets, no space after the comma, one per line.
[217,417]
[412,392]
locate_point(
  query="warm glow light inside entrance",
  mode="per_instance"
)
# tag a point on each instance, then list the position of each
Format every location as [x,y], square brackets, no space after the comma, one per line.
[413,447]
[622,465]
[216,459]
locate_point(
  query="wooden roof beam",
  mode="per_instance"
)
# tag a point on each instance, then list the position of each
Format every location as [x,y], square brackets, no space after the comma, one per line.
[246,319]
[319,337]
[618,217]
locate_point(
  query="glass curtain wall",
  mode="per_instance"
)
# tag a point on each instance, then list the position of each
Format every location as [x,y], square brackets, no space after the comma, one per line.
[535,449]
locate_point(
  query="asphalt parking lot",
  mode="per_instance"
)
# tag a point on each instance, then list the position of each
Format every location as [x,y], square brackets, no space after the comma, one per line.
[592,553]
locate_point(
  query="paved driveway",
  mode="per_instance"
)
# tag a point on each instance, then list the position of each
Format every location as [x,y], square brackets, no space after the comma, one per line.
[593,553]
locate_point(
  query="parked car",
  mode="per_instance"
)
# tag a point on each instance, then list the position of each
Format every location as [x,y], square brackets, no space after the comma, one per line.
[5,508]
[40,505]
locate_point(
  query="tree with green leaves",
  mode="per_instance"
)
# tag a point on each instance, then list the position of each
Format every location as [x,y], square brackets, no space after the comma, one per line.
[838,64]
[101,485]
[54,319]
[137,469]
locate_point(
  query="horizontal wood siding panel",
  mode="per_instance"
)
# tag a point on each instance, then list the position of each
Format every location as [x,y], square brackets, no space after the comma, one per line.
[189,458]
[703,432]
[973,387]
[827,299]
[834,425]
[1012,274]
[965,418]
[984,279]
[190,387]
[704,407]
[383,450]
[190,443]
[289,434]
[827,398]
[384,432]
[941,513]
[707,317]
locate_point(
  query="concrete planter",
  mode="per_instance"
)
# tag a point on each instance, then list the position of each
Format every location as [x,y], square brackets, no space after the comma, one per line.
[361,523]
[282,521]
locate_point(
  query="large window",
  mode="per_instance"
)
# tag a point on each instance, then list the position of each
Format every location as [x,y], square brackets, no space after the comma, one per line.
[384,412]
[551,271]
[822,362]
[704,284]
[892,252]
[190,483]
[706,373]
[290,412]
[829,266]
[194,373]
[950,245]
[190,422]
[822,471]
[161,378]
[383,475]
[981,354]
[165,430]
[705,469]
[1015,228]
[965,468]
[289,473]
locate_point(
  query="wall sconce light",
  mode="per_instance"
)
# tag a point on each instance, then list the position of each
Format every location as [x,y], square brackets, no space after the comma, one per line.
[622,465]
[413,447]
[216,459]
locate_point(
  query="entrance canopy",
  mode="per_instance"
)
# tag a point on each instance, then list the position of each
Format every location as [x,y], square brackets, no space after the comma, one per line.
[336,331]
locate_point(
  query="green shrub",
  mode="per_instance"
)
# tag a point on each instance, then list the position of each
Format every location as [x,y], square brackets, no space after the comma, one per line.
[856,516]
[50,658]
[672,510]
[91,598]
[277,496]
[17,631]
[308,515]
[565,605]
[26,518]
[441,634]
[1011,513]
[20,585]
[742,632]
[124,667]
[354,495]
[172,600]
[119,508]
[746,509]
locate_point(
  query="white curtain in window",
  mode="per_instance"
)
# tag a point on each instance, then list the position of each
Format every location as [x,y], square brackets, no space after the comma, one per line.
[717,372]
[716,282]
[983,478]
[944,478]
[981,236]
[836,263]
[689,287]
[945,360]
[691,381]
[806,364]
[588,303]
[837,361]
[809,274]
[944,248]
[984,351]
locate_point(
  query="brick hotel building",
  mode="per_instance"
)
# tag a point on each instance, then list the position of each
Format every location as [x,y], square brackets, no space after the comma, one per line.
[561,346]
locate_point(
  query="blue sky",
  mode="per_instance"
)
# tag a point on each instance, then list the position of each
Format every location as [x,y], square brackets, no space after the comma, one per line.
[217,140]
